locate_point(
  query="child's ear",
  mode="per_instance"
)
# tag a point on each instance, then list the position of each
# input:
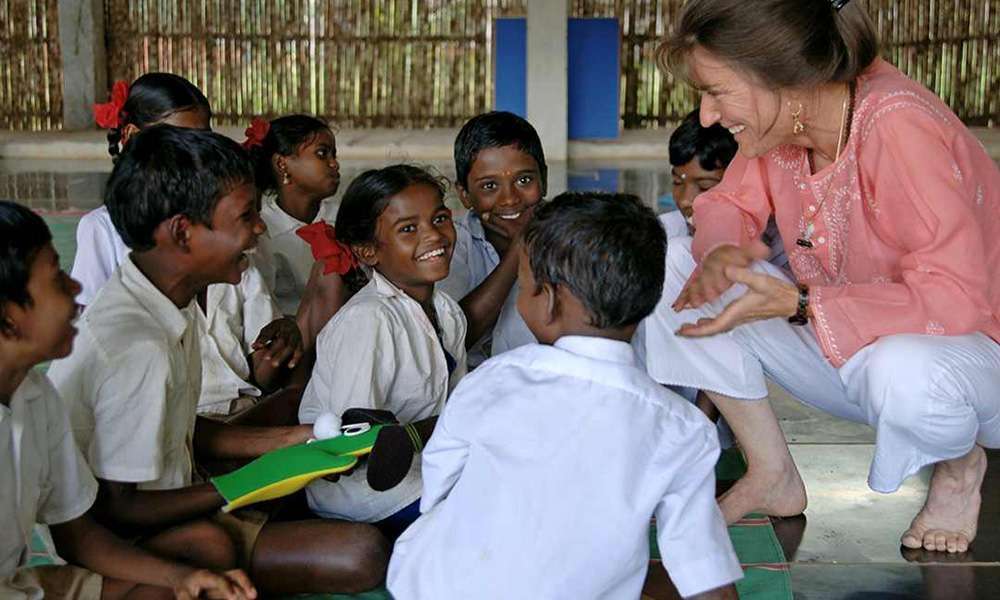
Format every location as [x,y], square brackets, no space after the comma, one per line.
[552,305]
[127,132]
[178,231]
[463,195]
[280,166]
[366,253]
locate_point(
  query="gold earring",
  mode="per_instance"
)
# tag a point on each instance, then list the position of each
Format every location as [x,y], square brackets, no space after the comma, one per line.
[797,125]
[285,178]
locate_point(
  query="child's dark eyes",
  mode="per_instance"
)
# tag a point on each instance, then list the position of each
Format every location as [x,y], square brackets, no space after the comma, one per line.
[442,218]
[489,186]
[525,179]
[408,229]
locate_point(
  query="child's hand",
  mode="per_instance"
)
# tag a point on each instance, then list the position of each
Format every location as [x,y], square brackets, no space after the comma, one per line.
[280,341]
[508,229]
[231,585]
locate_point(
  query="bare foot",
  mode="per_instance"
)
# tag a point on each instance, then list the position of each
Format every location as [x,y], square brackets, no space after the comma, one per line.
[950,515]
[773,492]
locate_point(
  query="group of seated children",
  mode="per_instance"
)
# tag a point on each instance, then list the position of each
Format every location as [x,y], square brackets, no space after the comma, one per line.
[537,472]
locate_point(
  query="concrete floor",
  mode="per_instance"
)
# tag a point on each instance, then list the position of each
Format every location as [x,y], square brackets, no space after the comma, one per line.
[846,547]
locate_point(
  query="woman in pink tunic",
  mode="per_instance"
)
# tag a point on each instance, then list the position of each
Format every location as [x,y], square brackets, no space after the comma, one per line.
[890,212]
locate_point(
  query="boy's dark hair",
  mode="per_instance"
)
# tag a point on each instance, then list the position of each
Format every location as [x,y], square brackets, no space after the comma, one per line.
[22,235]
[169,171]
[152,98]
[495,130]
[714,146]
[608,249]
[369,194]
[284,136]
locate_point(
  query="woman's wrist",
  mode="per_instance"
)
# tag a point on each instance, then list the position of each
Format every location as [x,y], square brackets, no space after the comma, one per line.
[800,312]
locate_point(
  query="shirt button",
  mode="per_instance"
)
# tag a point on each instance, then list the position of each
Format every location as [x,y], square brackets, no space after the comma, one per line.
[821,240]
[812,208]
[803,186]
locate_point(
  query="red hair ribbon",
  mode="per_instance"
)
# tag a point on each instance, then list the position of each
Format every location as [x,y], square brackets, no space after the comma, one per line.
[336,255]
[256,132]
[108,115]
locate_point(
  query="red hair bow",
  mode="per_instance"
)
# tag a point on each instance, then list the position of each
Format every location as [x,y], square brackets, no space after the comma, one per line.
[256,132]
[336,255]
[108,115]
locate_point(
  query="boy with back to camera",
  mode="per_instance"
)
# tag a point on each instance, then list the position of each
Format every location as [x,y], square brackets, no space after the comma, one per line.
[549,460]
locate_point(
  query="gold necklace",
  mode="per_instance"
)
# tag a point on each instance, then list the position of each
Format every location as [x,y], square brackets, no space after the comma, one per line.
[846,115]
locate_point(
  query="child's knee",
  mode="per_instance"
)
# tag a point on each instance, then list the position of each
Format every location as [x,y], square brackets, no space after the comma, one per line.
[367,557]
[208,545]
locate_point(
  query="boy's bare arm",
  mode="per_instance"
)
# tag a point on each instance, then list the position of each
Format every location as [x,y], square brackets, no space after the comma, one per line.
[124,507]
[84,542]
[727,592]
[225,441]
[482,305]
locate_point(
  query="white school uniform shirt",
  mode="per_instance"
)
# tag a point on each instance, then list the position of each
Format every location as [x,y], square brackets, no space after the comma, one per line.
[284,258]
[44,478]
[472,262]
[234,315]
[132,383]
[559,455]
[381,351]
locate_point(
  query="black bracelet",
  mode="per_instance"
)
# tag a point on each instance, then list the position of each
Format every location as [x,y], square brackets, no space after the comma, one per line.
[801,316]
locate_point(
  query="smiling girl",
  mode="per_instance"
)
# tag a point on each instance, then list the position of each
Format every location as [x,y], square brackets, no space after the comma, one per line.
[397,344]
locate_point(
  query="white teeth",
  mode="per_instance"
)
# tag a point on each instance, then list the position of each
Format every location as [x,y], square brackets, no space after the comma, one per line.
[431,254]
[737,129]
[510,217]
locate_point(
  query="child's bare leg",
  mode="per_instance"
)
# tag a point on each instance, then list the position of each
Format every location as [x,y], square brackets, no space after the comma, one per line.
[198,543]
[318,556]
[772,484]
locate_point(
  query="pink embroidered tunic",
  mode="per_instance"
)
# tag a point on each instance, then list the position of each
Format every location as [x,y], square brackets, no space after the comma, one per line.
[904,226]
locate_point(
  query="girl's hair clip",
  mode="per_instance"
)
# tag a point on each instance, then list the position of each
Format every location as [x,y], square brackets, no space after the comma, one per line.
[335,255]
[256,133]
[109,115]
[839,4]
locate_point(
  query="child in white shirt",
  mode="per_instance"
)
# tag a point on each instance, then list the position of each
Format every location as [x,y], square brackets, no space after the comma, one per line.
[501,177]
[296,168]
[45,479]
[548,461]
[236,320]
[397,345]
[185,203]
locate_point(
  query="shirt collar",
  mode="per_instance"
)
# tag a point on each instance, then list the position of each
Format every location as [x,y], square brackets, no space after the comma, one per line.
[29,390]
[163,311]
[475,225]
[598,348]
[278,221]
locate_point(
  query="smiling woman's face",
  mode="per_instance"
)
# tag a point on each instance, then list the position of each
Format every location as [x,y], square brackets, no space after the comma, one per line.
[752,113]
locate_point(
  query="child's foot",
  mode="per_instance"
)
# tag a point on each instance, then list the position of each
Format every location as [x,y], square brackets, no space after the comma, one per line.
[950,516]
[773,492]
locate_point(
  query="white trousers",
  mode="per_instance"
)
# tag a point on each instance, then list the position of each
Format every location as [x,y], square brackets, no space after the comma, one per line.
[929,398]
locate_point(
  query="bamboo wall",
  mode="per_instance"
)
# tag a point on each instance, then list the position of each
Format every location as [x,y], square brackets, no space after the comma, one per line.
[362,63]
[30,69]
[427,63]
[951,46]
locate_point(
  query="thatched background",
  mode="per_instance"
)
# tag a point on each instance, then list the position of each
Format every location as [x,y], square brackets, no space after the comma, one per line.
[30,69]
[427,63]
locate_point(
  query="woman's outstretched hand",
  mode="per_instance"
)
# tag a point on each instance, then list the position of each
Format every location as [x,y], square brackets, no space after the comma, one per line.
[766,298]
[710,281]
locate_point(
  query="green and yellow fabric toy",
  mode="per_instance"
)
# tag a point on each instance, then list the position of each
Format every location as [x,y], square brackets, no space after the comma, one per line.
[287,470]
